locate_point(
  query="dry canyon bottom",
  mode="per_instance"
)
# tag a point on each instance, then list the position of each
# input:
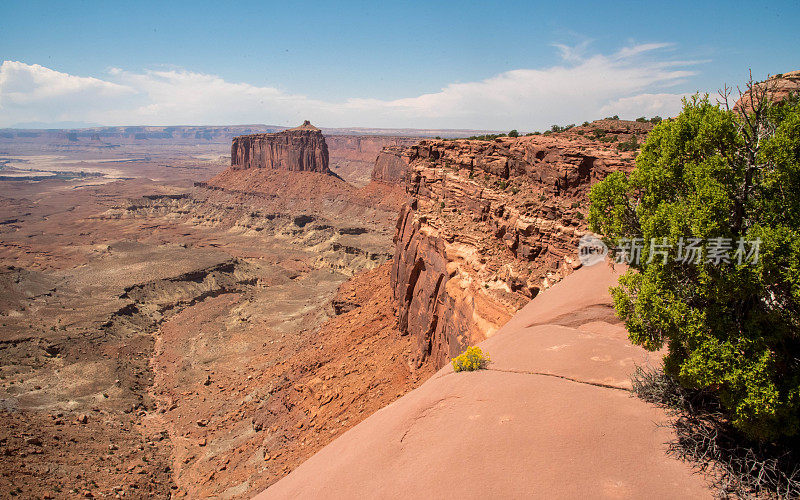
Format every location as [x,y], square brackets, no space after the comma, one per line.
[158,338]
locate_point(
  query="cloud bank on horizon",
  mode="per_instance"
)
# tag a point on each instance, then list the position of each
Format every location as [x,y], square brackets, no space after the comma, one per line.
[634,81]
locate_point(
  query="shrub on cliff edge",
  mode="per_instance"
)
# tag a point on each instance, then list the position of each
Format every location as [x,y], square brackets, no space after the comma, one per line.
[732,327]
[470,360]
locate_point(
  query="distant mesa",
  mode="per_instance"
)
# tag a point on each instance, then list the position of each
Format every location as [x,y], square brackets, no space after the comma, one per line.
[299,149]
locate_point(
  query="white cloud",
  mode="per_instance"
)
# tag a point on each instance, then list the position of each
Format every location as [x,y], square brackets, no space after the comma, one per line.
[630,82]
[24,83]
[663,105]
[572,53]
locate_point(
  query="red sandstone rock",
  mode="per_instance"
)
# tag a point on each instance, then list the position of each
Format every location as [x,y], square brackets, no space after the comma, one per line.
[777,87]
[353,157]
[490,224]
[549,418]
[300,149]
[391,165]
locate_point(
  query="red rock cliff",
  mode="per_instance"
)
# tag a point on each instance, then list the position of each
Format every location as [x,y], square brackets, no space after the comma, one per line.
[300,149]
[490,224]
[391,165]
[353,156]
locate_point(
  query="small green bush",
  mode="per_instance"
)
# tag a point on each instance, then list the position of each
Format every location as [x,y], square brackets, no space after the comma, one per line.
[560,128]
[470,360]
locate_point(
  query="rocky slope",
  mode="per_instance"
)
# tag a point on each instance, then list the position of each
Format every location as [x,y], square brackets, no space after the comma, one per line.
[352,157]
[299,149]
[550,417]
[490,224]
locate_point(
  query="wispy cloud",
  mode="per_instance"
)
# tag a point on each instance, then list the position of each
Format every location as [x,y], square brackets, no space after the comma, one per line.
[635,50]
[573,52]
[630,82]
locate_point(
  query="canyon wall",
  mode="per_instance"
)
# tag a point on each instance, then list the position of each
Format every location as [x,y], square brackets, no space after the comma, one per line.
[491,223]
[391,165]
[300,149]
[353,157]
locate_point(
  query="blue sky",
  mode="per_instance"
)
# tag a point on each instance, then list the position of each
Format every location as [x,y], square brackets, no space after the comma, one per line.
[414,64]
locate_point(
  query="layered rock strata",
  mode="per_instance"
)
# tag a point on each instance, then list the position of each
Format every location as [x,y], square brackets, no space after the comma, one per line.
[491,223]
[391,165]
[353,156]
[299,149]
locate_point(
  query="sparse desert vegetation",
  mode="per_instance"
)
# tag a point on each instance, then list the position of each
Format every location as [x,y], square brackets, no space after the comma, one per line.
[473,358]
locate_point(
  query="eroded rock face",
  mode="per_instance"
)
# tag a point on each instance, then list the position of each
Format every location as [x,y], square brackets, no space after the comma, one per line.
[777,88]
[391,165]
[491,223]
[438,302]
[299,149]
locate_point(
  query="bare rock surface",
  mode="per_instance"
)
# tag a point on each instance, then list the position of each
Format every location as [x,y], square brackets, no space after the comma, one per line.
[299,149]
[391,165]
[490,224]
[353,157]
[551,417]
[777,87]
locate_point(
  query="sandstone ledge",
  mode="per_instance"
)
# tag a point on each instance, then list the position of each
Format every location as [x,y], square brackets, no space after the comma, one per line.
[550,418]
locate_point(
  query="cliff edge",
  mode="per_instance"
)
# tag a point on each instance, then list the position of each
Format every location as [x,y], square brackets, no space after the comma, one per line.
[490,224]
[774,89]
[551,417]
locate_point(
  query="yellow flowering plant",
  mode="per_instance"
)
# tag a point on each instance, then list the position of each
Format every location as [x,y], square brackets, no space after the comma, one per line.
[470,360]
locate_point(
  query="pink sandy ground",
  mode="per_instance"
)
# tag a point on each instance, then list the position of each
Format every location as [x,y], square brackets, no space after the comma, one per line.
[551,417]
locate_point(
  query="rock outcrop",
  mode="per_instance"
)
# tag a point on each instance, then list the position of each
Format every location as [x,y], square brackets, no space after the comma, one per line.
[775,89]
[299,149]
[391,165]
[491,223]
